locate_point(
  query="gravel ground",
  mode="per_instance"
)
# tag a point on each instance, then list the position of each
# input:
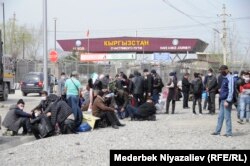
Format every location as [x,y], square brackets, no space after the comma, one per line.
[182,130]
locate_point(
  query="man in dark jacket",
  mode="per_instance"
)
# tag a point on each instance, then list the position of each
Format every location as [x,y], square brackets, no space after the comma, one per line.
[172,92]
[157,86]
[43,103]
[146,111]
[226,96]
[59,111]
[197,88]
[147,84]
[211,88]
[121,100]
[138,88]
[185,90]
[17,118]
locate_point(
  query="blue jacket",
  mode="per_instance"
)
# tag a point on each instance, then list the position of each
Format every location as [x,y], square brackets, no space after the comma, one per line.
[227,88]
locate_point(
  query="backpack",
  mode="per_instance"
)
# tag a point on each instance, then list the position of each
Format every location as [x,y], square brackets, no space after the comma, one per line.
[197,87]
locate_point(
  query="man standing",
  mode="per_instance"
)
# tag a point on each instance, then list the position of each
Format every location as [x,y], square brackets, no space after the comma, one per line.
[157,86]
[172,92]
[138,88]
[185,90]
[211,88]
[73,89]
[197,92]
[226,96]
[148,84]
[61,84]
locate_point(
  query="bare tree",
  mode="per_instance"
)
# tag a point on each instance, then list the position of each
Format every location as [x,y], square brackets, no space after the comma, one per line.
[34,46]
[22,42]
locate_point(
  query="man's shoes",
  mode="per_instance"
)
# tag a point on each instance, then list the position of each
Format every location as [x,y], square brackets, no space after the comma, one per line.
[240,121]
[120,124]
[227,135]
[214,133]
[115,126]
[9,133]
[186,107]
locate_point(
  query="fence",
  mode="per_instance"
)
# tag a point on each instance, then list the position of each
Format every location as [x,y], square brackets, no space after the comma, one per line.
[114,67]
[23,67]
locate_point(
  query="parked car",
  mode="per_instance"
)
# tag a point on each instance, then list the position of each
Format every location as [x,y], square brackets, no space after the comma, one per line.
[32,83]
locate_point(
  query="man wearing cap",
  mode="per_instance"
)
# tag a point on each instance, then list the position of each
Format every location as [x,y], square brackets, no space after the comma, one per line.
[226,96]
[17,118]
[211,88]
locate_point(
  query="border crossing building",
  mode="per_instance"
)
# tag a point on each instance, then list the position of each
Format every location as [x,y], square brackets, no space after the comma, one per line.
[132,52]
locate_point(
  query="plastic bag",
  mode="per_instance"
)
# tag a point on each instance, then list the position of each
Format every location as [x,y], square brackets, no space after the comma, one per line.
[84,127]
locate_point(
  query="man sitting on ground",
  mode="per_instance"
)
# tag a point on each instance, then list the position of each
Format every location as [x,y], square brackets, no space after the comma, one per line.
[99,109]
[17,118]
[145,111]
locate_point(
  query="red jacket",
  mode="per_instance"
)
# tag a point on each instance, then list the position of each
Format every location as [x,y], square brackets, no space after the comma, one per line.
[245,86]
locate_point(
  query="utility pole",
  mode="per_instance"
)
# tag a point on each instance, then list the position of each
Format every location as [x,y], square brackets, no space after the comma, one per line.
[23,45]
[56,63]
[214,44]
[4,33]
[13,35]
[45,46]
[224,16]
[55,33]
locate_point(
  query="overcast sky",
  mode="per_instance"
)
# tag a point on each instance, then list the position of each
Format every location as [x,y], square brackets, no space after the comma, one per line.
[150,18]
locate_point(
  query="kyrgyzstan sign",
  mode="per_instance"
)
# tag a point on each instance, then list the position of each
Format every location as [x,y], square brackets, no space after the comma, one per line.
[137,44]
[107,57]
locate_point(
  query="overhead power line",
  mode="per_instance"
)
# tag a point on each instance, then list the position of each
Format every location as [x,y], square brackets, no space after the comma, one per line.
[187,15]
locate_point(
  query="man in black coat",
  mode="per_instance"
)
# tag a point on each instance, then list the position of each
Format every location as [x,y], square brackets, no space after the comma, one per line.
[17,118]
[211,88]
[147,84]
[146,111]
[197,88]
[138,88]
[157,86]
[172,92]
[185,90]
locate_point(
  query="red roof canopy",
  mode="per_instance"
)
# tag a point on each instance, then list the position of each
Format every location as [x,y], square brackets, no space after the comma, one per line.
[135,44]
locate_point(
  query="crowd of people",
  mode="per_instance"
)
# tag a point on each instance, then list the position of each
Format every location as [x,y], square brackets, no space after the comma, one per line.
[134,96]
[232,89]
